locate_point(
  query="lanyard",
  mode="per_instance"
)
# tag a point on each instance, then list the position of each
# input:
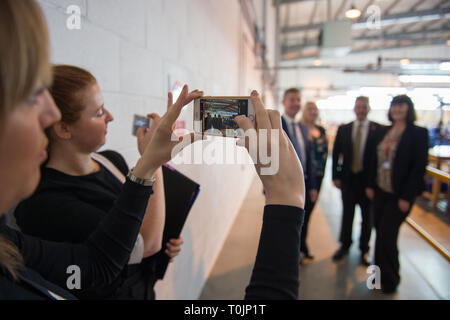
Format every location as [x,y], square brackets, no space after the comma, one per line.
[390,142]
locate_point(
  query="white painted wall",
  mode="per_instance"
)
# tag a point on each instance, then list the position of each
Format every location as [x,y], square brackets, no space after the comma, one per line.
[132,46]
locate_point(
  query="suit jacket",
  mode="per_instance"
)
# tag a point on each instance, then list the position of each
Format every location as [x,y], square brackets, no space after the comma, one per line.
[308,171]
[410,162]
[343,151]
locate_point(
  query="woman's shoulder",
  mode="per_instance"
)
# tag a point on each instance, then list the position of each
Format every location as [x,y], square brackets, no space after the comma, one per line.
[117,160]
[33,212]
[321,129]
[420,130]
[420,134]
[416,132]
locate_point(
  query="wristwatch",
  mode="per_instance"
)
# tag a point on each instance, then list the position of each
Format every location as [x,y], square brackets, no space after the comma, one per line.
[144,182]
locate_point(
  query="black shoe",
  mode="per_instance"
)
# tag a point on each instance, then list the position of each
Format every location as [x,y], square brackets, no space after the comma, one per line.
[308,256]
[341,253]
[365,259]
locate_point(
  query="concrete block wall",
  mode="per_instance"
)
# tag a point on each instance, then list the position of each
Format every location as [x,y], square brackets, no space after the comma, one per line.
[132,47]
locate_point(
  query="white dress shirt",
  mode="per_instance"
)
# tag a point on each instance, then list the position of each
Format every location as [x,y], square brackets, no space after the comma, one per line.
[301,141]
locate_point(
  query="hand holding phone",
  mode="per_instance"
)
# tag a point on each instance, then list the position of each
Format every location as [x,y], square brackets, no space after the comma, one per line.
[286,186]
[140,122]
[143,131]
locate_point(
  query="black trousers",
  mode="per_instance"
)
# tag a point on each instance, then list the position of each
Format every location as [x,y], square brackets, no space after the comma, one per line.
[309,207]
[387,219]
[353,193]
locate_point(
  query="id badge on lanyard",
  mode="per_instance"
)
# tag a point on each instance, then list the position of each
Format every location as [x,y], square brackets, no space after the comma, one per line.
[386,163]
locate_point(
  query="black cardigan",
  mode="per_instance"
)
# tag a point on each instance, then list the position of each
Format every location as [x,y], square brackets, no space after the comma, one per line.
[409,165]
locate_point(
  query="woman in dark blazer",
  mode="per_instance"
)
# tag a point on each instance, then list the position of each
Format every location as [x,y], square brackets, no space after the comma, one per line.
[396,178]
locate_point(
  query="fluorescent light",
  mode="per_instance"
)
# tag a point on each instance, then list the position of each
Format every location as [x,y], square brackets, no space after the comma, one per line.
[421,66]
[404,62]
[352,13]
[431,17]
[445,66]
[424,79]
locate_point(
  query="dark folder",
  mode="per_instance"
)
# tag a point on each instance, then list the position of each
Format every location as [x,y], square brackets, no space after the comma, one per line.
[180,193]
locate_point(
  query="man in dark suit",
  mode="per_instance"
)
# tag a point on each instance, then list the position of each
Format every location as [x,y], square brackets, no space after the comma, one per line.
[208,122]
[298,134]
[352,152]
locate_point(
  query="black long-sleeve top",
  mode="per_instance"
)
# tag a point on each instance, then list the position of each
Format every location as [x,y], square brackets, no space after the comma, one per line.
[100,258]
[66,208]
[275,274]
[276,271]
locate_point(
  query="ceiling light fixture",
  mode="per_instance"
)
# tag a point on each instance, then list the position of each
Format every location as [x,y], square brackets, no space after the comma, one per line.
[352,13]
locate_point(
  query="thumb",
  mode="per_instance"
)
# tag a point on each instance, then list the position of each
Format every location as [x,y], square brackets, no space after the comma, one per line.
[140,134]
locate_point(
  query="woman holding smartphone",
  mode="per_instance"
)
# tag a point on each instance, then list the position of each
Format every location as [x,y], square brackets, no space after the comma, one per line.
[78,188]
[31,268]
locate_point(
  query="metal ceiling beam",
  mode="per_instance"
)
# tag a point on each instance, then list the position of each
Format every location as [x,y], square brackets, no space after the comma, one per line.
[439,6]
[311,19]
[382,37]
[340,9]
[393,4]
[292,1]
[428,42]
[399,18]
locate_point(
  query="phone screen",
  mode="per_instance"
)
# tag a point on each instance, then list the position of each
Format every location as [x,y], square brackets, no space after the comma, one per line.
[219,113]
[140,122]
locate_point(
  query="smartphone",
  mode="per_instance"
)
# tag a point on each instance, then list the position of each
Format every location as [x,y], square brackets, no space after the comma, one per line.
[215,115]
[140,122]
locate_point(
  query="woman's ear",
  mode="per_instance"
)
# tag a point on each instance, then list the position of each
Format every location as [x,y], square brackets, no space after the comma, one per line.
[62,131]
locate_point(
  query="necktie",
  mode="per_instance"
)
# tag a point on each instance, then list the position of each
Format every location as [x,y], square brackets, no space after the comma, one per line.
[356,160]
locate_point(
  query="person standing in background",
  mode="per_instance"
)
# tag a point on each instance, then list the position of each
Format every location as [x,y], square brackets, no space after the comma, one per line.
[317,138]
[298,134]
[352,152]
[396,178]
